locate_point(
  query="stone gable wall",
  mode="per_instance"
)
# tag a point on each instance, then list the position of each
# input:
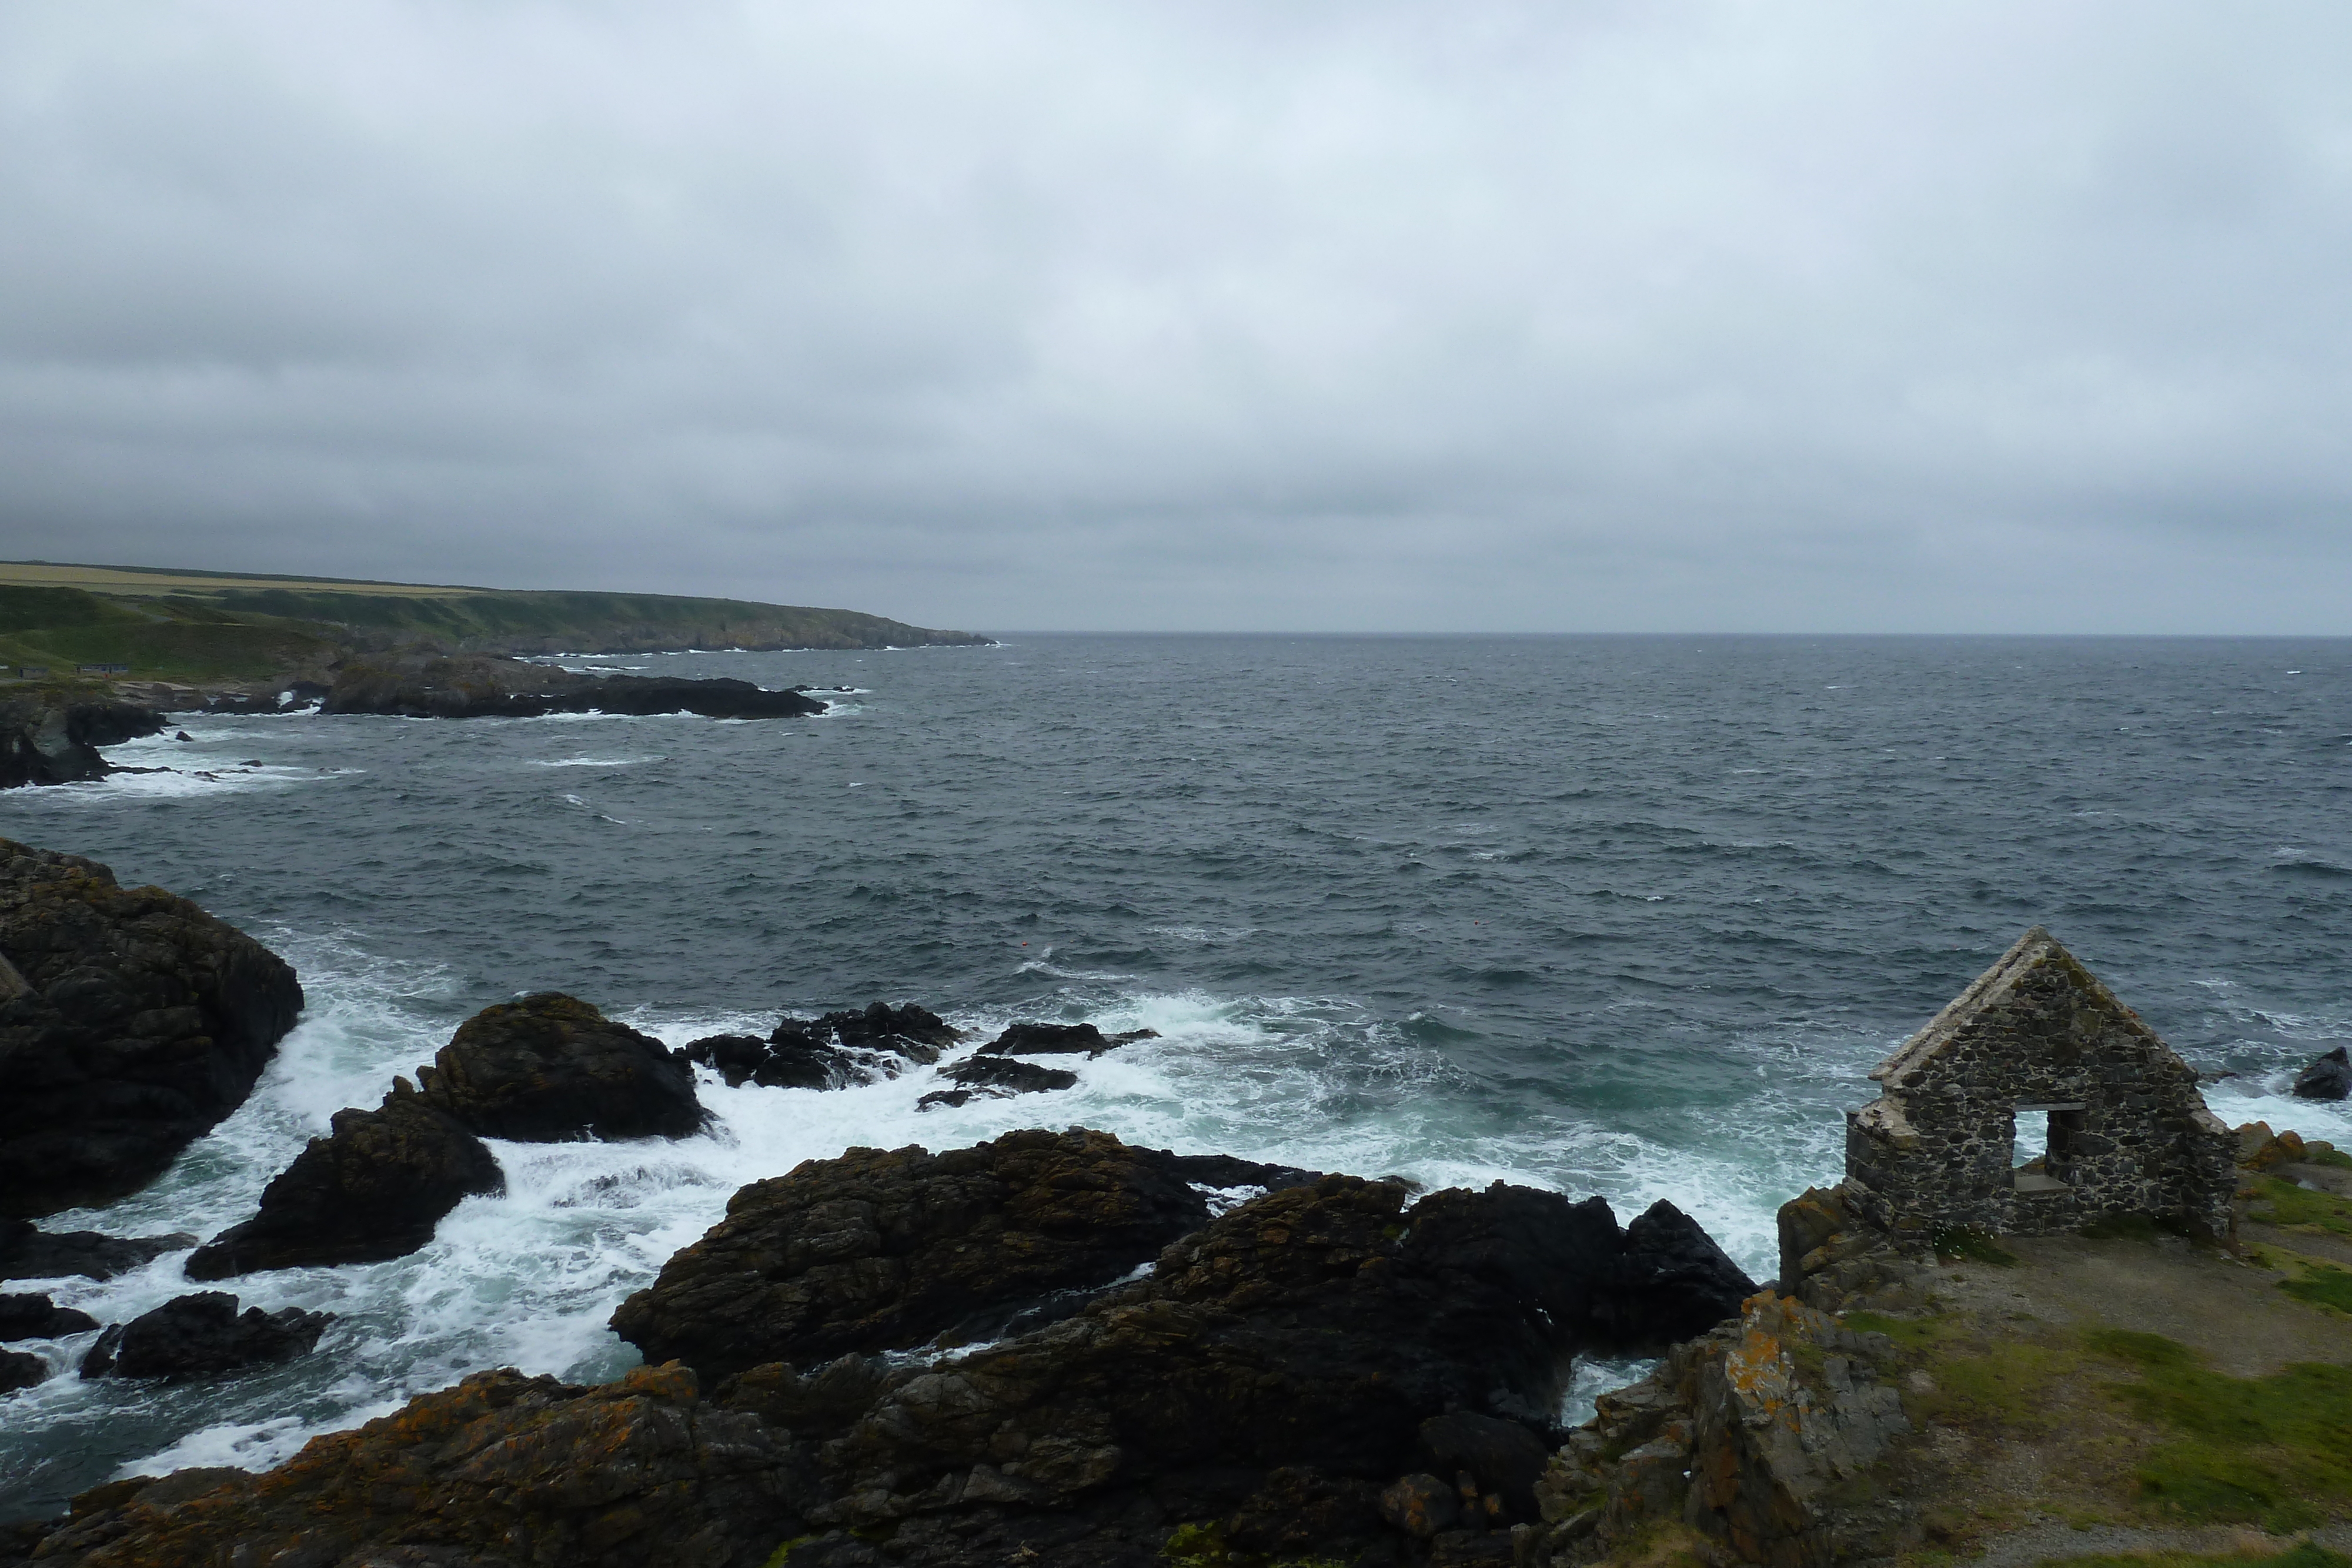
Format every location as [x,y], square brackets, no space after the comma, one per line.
[1934,1151]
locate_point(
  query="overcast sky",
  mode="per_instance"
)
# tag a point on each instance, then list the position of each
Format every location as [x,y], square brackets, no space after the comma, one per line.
[1650,316]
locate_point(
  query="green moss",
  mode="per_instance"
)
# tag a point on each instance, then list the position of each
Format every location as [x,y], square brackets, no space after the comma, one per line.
[776,1558]
[2322,1284]
[2006,1384]
[2303,1554]
[2335,1157]
[2283,1203]
[1958,1242]
[1912,1334]
[1196,1546]
[2274,1450]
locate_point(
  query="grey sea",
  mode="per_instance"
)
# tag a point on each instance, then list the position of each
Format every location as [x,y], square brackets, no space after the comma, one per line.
[1621,915]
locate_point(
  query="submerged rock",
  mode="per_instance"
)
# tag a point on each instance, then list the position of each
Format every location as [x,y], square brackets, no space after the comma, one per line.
[53,736]
[429,684]
[835,1052]
[500,1469]
[997,1077]
[37,1317]
[202,1335]
[28,1252]
[552,1067]
[130,1022]
[374,1188]
[2328,1078]
[20,1370]
[881,1250]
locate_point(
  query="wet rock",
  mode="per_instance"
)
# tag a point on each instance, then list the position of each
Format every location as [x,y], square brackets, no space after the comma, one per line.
[550,1066]
[1005,1075]
[130,1022]
[1672,1282]
[28,1252]
[2328,1078]
[431,685]
[202,1335]
[53,736]
[881,1250]
[21,1369]
[500,1469]
[1226,1173]
[830,1053]
[374,1188]
[1060,1039]
[37,1317]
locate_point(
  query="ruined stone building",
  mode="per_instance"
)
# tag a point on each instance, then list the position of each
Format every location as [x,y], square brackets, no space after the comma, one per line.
[2037,1059]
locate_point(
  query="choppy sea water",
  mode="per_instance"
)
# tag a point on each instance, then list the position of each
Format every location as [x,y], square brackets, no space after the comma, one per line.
[1625,915]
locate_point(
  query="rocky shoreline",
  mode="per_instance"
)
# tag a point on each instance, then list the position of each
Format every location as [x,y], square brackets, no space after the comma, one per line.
[51,735]
[1051,1348]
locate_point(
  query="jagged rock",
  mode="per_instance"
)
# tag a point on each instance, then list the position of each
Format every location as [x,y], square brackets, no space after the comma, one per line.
[1310,1331]
[374,1188]
[550,1066]
[37,1317]
[1833,1258]
[500,1472]
[881,1250]
[130,1022]
[2328,1078]
[1744,1434]
[201,1335]
[430,685]
[1671,1282]
[1420,1505]
[1500,1458]
[28,1252]
[21,1369]
[53,736]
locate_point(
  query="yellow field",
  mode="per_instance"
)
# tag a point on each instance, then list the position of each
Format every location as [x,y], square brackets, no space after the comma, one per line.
[138,580]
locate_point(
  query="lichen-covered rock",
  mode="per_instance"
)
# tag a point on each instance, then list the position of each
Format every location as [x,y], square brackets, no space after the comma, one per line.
[1833,1258]
[202,1335]
[1744,1434]
[550,1066]
[374,1188]
[500,1472]
[130,1022]
[2328,1077]
[26,1317]
[881,1250]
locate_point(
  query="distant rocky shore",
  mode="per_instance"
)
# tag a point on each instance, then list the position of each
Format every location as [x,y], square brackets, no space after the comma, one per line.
[51,735]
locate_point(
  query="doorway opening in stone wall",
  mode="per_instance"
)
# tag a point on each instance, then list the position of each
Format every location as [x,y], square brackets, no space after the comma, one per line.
[2048,1166]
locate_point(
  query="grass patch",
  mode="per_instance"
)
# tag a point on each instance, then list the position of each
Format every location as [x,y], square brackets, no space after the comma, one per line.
[2285,1204]
[1910,1334]
[1957,1243]
[2303,1554]
[2335,1157]
[2010,1386]
[2275,1451]
[2322,1284]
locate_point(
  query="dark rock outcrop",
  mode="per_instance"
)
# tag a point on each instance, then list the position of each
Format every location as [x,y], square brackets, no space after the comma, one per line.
[37,1317]
[2328,1078]
[372,1189]
[830,1053]
[1672,1282]
[28,1252]
[429,684]
[202,1335]
[52,737]
[130,1022]
[292,696]
[1003,1075]
[881,1250]
[21,1369]
[550,1066]
[1060,1040]
[500,1472]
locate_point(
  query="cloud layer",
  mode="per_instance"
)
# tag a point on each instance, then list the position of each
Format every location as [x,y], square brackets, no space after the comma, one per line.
[1975,317]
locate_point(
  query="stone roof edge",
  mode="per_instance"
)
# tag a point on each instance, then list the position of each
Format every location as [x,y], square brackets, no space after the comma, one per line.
[1940,1029]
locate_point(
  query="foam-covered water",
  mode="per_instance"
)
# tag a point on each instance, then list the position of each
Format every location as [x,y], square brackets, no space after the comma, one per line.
[1629,916]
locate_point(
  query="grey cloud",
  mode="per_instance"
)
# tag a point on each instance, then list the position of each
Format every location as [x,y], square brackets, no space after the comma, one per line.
[1613,316]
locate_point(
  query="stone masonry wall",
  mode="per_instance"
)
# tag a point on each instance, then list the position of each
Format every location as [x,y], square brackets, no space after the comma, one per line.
[2038,1030]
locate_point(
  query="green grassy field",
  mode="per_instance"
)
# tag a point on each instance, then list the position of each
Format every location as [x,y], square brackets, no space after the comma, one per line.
[201,626]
